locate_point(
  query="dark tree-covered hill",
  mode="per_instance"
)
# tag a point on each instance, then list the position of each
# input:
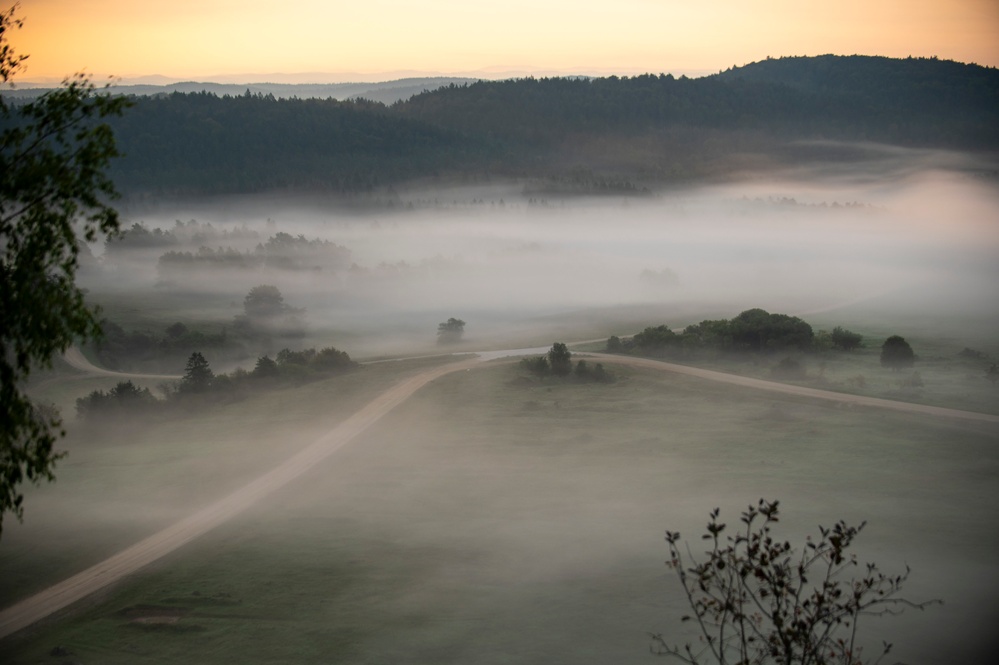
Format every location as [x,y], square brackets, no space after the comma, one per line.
[646,129]
[202,143]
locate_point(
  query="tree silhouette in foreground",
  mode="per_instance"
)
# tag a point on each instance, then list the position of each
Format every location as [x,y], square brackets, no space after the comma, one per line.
[54,194]
[755,599]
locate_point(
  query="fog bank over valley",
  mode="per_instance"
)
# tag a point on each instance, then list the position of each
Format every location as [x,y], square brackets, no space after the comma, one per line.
[503,255]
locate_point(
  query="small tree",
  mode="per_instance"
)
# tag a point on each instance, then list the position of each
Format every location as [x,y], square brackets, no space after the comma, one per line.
[992,374]
[198,375]
[450,331]
[560,359]
[537,365]
[266,312]
[264,368]
[756,600]
[896,353]
[846,339]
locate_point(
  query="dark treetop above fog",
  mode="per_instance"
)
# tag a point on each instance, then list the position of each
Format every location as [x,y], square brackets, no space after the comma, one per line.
[609,133]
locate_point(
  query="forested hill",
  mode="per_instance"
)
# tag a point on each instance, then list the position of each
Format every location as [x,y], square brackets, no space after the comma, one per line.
[641,130]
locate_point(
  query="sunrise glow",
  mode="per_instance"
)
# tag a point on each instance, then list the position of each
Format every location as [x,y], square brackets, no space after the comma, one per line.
[387,38]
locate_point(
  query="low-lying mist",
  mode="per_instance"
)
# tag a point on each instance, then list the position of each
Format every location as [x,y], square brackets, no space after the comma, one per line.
[491,498]
[907,239]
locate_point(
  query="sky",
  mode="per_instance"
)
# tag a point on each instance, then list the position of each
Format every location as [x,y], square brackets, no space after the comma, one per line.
[330,40]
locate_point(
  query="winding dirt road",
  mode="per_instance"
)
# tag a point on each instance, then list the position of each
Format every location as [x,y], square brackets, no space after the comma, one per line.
[74,356]
[788,389]
[128,561]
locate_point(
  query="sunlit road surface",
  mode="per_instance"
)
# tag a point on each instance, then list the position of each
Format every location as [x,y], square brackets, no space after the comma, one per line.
[128,561]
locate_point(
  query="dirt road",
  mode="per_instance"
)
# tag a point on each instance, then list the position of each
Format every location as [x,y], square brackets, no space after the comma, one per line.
[74,356]
[128,561]
[787,389]
[75,588]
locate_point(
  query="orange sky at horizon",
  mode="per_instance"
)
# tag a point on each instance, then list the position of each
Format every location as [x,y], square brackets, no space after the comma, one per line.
[214,39]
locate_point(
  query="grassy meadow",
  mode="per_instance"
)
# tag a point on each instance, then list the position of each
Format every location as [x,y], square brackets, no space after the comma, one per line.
[494,518]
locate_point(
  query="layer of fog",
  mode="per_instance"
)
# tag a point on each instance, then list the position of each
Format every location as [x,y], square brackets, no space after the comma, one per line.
[499,255]
[565,519]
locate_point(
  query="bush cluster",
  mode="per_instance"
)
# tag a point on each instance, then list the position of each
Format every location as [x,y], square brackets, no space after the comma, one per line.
[200,384]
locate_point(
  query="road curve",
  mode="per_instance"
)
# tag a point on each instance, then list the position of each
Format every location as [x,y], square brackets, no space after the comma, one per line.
[788,389]
[74,356]
[77,587]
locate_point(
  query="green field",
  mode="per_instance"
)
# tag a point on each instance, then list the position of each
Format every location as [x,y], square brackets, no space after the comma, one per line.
[493,519]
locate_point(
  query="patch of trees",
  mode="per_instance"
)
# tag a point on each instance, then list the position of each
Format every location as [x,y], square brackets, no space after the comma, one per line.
[191,233]
[846,339]
[754,330]
[266,317]
[117,348]
[203,143]
[282,251]
[201,245]
[124,399]
[558,363]
[200,383]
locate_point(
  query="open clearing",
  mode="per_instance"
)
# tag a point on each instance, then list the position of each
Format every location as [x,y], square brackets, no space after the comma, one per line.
[494,519]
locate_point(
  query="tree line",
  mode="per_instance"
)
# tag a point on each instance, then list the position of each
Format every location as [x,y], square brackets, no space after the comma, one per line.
[755,331]
[200,385]
[627,130]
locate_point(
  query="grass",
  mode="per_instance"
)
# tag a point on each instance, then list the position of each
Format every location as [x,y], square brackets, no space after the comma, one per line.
[121,483]
[939,377]
[496,519]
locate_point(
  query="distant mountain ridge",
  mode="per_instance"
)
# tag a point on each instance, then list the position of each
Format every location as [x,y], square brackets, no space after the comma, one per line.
[387,92]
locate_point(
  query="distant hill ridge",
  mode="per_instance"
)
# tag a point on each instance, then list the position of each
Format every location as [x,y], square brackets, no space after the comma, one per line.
[387,92]
[604,134]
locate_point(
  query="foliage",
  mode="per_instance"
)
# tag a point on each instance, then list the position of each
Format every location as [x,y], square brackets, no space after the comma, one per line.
[265,368]
[560,359]
[597,373]
[53,192]
[754,331]
[757,600]
[558,362]
[992,373]
[846,339]
[896,353]
[118,349]
[266,313]
[654,341]
[124,399]
[282,251]
[198,376]
[537,365]
[759,330]
[203,143]
[639,128]
[450,331]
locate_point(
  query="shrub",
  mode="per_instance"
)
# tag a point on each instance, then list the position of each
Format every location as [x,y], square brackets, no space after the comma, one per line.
[755,599]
